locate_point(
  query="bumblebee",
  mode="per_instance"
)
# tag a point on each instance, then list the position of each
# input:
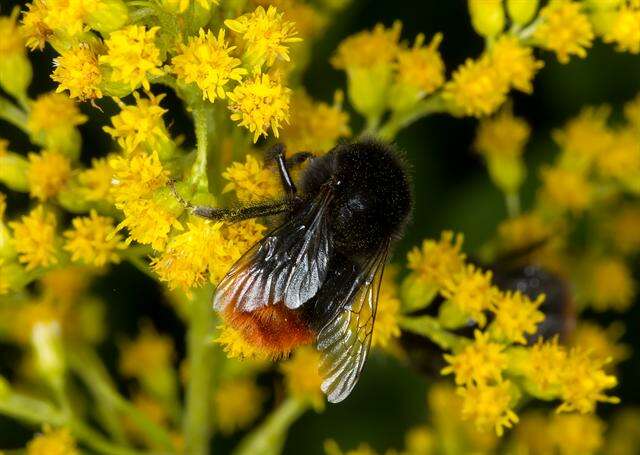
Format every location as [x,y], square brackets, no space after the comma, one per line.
[315,278]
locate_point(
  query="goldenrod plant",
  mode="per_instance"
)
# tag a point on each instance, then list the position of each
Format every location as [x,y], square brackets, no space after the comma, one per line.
[510,372]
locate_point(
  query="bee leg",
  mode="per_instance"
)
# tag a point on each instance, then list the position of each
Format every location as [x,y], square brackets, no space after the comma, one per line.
[277,153]
[242,213]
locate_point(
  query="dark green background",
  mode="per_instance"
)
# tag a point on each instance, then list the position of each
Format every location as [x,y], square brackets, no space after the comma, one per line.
[452,191]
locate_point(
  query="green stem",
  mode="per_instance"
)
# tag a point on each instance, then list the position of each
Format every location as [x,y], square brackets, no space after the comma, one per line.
[269,438]
[400,120]
[97,442]
[513,204]
[202,121]
[430,327]
[38,412]
[88,366]
[198,421]
[13,114]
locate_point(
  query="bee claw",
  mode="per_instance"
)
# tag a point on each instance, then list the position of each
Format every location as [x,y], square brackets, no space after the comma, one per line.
[172,186]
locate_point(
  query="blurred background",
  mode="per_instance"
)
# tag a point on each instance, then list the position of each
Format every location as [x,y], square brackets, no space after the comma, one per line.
[452,191]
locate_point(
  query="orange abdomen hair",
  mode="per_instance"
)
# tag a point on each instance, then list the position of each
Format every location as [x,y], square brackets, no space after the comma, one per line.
[275,329]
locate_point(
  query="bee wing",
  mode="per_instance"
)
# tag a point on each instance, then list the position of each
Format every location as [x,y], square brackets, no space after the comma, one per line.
[345,340]
[288,265]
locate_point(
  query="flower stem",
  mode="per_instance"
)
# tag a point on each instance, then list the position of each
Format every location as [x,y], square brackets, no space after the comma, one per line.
[400,120]
[198,420]
[513,204]
[269,438]
[431,328]
[13,114]
[90,369]
[202,119]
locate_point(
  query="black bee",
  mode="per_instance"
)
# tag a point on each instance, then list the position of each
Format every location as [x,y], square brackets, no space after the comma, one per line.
[315,278]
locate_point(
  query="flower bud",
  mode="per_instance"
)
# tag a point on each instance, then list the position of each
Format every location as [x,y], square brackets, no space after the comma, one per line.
[451,316]
[603,4]
[15,74]
[603,20]
[416,293]
[367,89]
[487,17]
[506,172]
[14,171]
[522,12]
[46,338]
[110,15]
[7,250]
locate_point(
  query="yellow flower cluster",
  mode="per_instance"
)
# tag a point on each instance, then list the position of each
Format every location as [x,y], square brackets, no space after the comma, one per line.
[237,404]
[575,376]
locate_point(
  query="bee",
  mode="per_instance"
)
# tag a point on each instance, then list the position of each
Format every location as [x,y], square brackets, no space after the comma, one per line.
[315,278]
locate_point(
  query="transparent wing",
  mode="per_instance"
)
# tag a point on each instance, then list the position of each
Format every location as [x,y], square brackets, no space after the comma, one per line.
[288,265]
[345,340]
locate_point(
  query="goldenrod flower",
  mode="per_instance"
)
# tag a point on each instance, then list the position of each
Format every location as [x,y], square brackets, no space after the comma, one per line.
[621,159]
[207,61]
[584,138]
[609,284]
[438,261]
[34,28]
[489,406]
[77,71]
[96,181]
[53,442]
[421,66]
[152,408]
[368,58]
[315,126]
[480,362]
[48,173]
[148,354]
[93,240]
[236,239]
[471,291]
[259,104]
[302,376]
[236,346]
[236,404]
[135,180]
[420,440]
[308,21]
[623,229]
[265,34]
[502,136]
[476,88]
[139,124]
[525,437]
[12,40]
[601,343]
[184,261]
[133,55]
[67,16]
[54,111]
[252,181]
[67,284]
[564,29]
[566,189]
[369,49]
[515,63]
[584,382]
[625,29]
[575,433]
[516,316]
[522,231]
[545,365]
